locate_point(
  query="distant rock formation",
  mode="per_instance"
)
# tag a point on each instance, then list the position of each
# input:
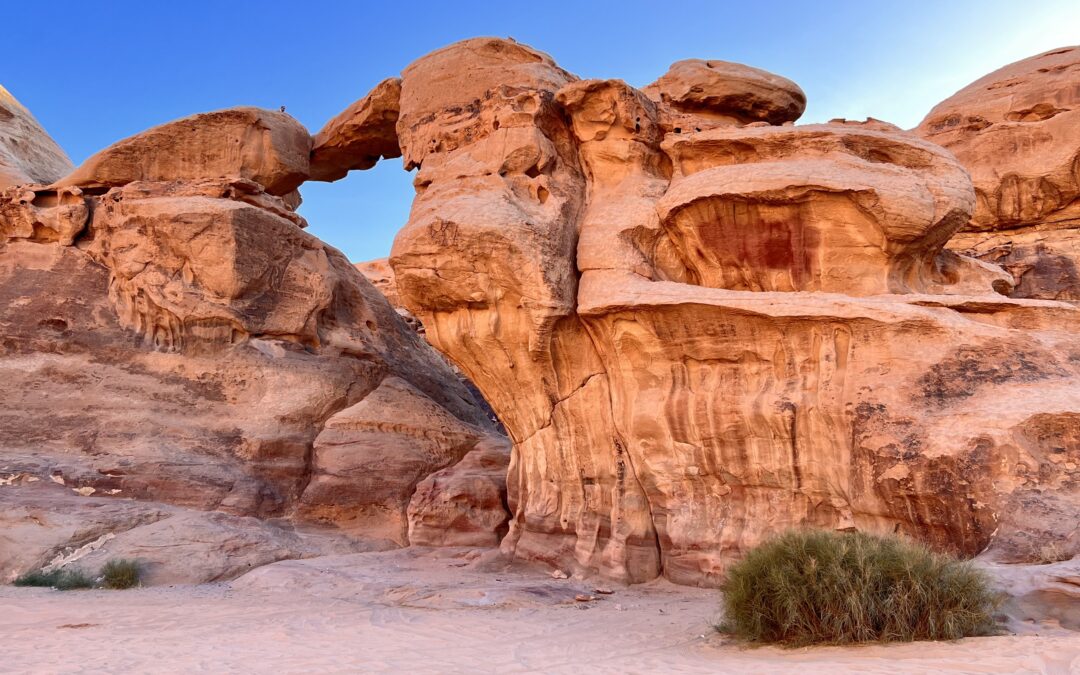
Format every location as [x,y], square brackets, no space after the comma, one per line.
[1017,131]
[381,275]
[171,334]
[701,326]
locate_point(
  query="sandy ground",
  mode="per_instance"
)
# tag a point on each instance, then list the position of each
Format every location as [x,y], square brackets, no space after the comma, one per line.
[441,611]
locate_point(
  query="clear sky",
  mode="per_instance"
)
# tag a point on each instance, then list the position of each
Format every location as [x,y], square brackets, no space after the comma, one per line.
[93,73]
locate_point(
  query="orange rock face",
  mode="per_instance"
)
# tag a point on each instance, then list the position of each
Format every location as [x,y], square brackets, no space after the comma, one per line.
[728,91]
[1017,131]
[269,148]
[171,334]
[381,275]
[361,135]
[698,323]
[463,505]
[27,153]
[699,331]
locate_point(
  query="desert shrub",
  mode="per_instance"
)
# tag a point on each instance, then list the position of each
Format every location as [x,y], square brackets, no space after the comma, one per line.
[815,587]
[120,574]
[63,580]
[116,574]
[38,578]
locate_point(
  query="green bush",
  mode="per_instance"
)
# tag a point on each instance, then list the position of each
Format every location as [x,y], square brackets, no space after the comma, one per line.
[62,580]
[814,587]
[120,574]
[116,574]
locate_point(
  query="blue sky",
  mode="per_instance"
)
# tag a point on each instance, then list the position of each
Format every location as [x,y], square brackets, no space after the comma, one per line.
[95,73]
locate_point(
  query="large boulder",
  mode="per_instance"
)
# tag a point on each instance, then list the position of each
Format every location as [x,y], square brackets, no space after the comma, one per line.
[1017,131]
[369,457]
[27,153]
[699,332]
[170,334]
[270,148]
[728,91]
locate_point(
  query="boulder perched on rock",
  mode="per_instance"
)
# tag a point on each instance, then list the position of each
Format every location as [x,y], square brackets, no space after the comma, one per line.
[269,148]
[27,153]
[1017,131]
[728,91]
[699,331]
[169,333]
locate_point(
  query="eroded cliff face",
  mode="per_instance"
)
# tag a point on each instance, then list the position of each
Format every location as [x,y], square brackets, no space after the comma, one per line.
[1017,131]
[701,325]
[698,323]
[172,334]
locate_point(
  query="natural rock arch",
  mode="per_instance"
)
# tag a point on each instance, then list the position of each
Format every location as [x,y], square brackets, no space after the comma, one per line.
[700,324]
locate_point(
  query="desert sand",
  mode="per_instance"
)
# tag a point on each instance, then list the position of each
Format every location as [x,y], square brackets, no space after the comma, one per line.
[446,611]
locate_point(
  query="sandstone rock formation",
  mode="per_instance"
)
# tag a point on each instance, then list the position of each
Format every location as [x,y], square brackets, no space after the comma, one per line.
[27,153]
[464,504]
[1044,593]
[699,327]
[360,136]
[362,472]
[699,324]
[171,334]
[381,275]
[46,526]
[268,148]
[1017,131]
[728,91]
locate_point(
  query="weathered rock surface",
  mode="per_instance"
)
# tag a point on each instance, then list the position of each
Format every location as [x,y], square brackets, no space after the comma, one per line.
[381,275]
[171,334]
[361,135]
[698,325]
[269,148]
[699,334]
[1038,595]
[728,91]
[361,468]
[463,505]
[1017,131]
[27,153]
[47,527]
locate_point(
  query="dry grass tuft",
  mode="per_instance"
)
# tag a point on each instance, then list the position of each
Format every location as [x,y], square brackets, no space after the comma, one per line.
[816,587]
[120,574]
